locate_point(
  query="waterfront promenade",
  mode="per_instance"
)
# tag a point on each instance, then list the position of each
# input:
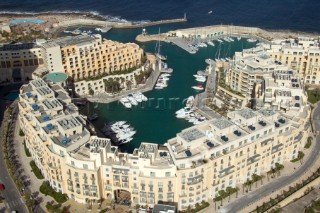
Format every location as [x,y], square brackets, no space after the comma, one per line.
[107,98]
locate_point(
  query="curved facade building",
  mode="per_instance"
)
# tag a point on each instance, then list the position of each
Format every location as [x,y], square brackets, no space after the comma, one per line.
[193,166]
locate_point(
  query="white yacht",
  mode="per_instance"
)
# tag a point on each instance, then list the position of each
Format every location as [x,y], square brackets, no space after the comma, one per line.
[210,43]
[201,79]
[125,102]
[199,87]
[202,44]
[220,41]
[137,97]
[251,40]
[239,38]
[133,101]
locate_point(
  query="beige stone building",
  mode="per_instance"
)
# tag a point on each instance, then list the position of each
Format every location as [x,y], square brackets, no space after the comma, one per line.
[302,55]
[85,56]
[189,168]
[19,61]
[250,67]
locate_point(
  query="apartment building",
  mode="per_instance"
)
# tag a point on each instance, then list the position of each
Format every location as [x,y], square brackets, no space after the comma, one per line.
[19,61]
[302,55]
[189,168]
[249,67]
[86,56]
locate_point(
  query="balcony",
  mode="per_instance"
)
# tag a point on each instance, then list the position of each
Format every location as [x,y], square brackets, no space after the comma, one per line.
[226,171]
[253,159]
[195,180]
[277,148]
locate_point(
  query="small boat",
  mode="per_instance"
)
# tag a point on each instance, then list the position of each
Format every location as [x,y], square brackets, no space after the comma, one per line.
[252,40]
[201,79]
[93,117]
[161,57]
[239,38]
[98,29]
[210,12]
[125,102]
[227,39]
[197,76]
[210,43]
[220,41]
[79,103]
[199,87]
[76,32]
[231,39]
[202,44]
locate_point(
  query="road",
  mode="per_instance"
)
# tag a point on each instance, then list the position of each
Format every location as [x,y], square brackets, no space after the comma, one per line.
[266,190]
[13,199]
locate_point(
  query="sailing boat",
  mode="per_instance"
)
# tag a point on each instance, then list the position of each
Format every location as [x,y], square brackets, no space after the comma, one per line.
[157,49]
[210,12]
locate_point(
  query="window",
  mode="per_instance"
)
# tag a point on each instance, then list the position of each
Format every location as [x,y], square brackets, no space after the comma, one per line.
[168,174]
[85,166]
[72,163]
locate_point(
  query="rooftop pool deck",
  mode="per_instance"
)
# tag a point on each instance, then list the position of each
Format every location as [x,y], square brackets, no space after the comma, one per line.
[19,21]
[56,77]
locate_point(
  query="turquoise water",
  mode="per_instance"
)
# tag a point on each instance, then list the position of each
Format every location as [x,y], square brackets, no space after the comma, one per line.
[155,120]
[19,21]
[56,77]
[11,96]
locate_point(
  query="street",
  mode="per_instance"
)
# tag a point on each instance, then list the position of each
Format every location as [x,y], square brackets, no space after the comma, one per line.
[13,199]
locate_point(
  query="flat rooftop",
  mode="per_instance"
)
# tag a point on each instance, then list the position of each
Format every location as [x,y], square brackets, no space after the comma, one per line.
[267,112]
[191,134]
[73,40]
[12,47]
[246,113]
[222,123]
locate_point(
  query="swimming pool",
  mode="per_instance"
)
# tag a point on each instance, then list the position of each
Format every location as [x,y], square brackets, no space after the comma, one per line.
[19,21]
[11,96]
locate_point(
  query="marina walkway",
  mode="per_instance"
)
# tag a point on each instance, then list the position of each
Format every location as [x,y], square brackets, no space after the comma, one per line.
[107,98]
[201,98]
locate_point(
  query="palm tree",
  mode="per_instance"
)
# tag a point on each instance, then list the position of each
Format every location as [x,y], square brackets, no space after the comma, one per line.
[229,190]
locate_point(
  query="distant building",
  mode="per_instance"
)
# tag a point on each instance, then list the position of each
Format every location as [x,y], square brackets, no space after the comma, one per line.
[84,56]
[5,28]
[80,57]
[19,61]
[301,55]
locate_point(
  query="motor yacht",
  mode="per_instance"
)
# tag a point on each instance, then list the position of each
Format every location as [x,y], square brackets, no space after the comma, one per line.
[198,87]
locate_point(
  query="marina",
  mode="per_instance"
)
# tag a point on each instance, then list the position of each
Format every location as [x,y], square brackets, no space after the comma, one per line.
[155,120]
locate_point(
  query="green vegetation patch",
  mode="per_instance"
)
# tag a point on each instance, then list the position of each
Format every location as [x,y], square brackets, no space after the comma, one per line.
[36,170]
[313,95]
[309,142]
[46,189]
[300,157]
[26,150]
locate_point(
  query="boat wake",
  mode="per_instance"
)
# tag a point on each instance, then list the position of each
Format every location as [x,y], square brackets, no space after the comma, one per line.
[76,12]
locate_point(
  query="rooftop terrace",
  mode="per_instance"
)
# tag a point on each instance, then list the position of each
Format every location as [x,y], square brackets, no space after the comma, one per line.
[191,134]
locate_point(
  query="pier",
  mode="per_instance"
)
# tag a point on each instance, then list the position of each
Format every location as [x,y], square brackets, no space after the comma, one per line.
[184,37]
